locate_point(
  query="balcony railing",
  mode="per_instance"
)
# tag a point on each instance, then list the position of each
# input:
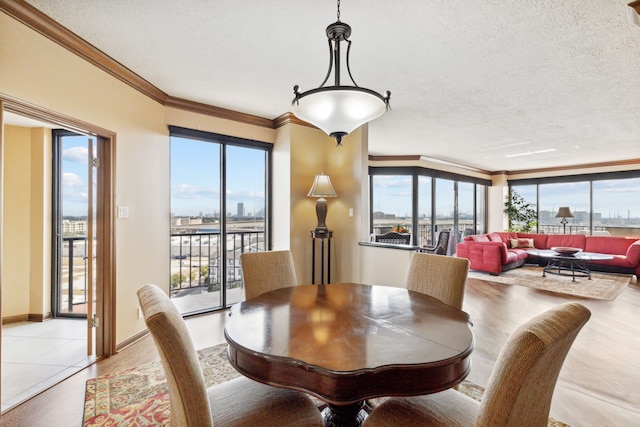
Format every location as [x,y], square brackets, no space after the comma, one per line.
[72,296]
[196,260]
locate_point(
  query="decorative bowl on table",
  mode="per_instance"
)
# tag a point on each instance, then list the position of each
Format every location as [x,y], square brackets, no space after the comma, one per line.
[566,251]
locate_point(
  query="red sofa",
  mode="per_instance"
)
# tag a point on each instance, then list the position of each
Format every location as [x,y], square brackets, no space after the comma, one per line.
[501,251]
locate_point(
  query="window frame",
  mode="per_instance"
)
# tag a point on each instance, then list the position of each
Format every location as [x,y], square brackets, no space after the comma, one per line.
[414,172]
[225,141]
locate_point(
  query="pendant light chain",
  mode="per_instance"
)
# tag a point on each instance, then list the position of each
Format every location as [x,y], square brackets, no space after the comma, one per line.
[338,10]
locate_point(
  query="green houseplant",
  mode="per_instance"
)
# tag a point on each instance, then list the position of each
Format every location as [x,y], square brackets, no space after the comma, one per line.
[522,214]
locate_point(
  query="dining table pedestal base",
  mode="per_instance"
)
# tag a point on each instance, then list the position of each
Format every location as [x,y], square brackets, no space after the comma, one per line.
[344,415]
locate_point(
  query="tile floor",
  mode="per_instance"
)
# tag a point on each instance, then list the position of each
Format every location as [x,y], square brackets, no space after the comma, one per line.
[37,355]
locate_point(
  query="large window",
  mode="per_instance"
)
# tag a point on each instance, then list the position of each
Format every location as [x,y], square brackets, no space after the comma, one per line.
[616,205]
[426,202]
[603,204]
[219,210]
[574,195]
[392,205]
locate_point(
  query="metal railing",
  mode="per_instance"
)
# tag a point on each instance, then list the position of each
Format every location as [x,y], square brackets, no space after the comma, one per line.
[196,261]
[425,237]
[73,275]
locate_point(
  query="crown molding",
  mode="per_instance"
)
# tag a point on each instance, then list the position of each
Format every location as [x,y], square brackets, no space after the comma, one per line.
[290,118]
[620,163]
[617,163]
[219,112]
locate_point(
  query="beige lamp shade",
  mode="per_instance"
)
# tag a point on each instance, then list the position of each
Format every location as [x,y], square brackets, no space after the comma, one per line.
[322,188]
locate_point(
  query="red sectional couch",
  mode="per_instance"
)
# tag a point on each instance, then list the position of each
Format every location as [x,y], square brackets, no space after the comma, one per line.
[500,251]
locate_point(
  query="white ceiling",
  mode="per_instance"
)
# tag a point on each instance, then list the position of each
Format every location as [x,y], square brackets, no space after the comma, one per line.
[478,83]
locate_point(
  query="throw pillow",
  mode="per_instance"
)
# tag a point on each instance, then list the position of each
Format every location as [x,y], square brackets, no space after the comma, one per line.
[522,243]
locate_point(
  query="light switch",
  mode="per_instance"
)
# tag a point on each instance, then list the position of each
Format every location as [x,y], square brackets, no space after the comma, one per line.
[350,212]
[123,212]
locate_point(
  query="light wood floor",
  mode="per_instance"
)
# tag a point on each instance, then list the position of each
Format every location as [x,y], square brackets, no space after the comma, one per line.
[598,385]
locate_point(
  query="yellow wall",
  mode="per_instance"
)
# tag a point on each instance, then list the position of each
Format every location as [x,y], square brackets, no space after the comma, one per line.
[16,222]
[312,152]
[40,222]
[27,222]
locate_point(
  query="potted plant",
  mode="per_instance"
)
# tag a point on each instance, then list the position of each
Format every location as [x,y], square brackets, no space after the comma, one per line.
[522,214]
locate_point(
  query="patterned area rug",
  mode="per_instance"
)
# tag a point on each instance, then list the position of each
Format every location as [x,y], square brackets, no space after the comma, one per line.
[605,286]
[138,397]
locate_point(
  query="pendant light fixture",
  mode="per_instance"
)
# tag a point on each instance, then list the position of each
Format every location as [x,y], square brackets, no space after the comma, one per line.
[338,109]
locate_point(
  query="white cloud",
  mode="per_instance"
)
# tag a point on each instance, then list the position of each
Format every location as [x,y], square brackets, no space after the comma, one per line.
[76,154]
[71,180]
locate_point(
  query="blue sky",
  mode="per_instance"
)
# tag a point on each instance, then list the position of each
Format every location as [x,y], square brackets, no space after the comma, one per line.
[195,178]
[74,176]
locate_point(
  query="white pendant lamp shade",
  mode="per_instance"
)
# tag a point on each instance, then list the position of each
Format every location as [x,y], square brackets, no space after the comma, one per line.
[339,110]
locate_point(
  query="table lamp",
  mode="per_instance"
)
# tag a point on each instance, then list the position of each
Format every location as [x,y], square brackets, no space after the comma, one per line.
[564,213]
[321,188]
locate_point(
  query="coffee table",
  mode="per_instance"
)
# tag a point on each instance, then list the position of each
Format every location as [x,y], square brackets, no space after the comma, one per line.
[574,265]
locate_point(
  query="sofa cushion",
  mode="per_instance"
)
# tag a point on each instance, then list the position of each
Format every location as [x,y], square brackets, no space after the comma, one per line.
[478,238]
[506,236]
[608,245]
[567,240]
[512,256]
[495,237]
[520,253]
[522,243]
[617,261]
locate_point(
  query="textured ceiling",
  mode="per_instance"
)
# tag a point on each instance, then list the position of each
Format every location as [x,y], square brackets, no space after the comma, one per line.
[491,84]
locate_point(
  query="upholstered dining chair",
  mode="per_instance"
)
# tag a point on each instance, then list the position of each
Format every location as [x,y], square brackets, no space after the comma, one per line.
[238,402]
[265,271]
[520,387]
[442,277]
[441,246]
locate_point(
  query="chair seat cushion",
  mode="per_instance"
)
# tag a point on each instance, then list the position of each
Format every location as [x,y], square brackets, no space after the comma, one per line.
[448,408]
[244,402]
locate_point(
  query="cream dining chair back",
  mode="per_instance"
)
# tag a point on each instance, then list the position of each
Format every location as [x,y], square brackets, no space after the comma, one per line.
[439,276]
[265,271]
[519,390]
[238,402]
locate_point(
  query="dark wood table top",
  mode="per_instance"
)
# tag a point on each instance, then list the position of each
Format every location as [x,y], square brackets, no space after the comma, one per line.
[348,342]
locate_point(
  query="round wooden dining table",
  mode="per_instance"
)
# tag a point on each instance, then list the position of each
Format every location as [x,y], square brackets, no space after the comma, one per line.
[346,343]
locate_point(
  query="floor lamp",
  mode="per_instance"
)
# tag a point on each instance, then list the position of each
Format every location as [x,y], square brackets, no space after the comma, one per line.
[564,213]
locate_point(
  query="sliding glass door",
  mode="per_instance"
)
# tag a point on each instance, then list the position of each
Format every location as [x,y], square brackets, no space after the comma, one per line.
[219,210]
[74,224]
